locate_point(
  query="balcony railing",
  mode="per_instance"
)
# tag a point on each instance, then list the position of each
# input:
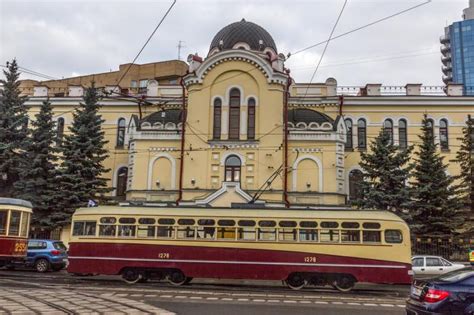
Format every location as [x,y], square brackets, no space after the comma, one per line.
[444,39]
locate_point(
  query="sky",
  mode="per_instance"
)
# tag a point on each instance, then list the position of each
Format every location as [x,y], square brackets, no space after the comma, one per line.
[64,38]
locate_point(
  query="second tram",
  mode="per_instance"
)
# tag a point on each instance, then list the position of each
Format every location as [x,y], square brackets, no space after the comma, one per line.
[300,247]
[14,226]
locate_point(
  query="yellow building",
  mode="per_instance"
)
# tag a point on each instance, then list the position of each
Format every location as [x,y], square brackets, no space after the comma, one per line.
[215,132]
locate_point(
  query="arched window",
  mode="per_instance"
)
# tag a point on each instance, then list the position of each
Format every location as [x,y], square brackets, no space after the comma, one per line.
[361,134]
[251,119]
[402,134]
[443,134]
[388,129]
[234,114]
[349,133]
[121,132]
[355,184]
[216,131]
[122,175]
[60,130]
[430,125]
[232,169]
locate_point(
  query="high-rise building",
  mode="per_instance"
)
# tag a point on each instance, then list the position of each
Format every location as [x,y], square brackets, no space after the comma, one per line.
[457,49]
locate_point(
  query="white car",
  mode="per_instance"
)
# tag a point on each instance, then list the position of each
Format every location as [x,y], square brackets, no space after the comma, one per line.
[432,265]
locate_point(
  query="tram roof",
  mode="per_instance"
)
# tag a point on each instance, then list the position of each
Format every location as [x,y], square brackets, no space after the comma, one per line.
[240,213]
[15,202]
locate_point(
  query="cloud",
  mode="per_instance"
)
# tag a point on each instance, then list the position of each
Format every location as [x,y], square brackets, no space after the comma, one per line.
[65,38]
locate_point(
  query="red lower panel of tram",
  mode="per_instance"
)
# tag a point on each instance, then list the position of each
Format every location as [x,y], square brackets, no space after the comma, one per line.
[12,248]
[228,263]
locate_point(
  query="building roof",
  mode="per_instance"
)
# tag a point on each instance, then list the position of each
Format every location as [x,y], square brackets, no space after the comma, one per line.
[243,31]
[308,116]
[164,116]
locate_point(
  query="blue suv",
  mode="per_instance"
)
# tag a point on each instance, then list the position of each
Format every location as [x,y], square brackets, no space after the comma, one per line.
[45,255]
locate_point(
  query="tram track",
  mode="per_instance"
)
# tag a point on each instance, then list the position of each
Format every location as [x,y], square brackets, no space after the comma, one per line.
[201,284]
[78,294]
[224,292]
[42,301]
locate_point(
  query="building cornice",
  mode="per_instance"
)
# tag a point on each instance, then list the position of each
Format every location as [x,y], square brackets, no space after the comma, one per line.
[408,100]
[251,58]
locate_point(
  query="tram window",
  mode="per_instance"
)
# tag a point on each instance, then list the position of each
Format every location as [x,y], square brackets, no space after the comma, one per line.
[24,224]
[371,236]
[126,230]
[127,220]
[329,236]
[84,228]
[350,236]
[247,223]
[246,234]
[266,234]
[78,228]
[226,233]
[165,231]
[186,232]
[3,222]
[329,225]
[107,230]
[206,232]
[14,223]
[108,220]
[146,230]
[308,224]
[287,223]
[371,225]
[165,221]
[206,222]
[393,236]
[350,225]
[287,234]
[310,235]
[186,222]
[146,221]
[226,222]
[267,223]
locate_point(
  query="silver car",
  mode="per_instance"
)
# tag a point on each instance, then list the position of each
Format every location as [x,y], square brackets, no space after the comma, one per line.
[432,265]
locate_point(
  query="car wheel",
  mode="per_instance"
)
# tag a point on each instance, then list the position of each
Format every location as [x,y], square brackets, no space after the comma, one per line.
[42,265]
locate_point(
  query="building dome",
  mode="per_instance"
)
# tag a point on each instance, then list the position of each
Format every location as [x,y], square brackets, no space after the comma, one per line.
[243,32]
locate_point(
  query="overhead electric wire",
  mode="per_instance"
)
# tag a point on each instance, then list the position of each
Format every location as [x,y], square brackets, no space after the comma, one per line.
[366,60]
[362,27]
[35,73]
[147,41]
[325,47]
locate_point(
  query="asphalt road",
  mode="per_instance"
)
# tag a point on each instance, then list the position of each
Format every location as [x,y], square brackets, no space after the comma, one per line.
[101,294]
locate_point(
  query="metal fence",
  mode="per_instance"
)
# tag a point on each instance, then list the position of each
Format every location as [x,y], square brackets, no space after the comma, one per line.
[455,248]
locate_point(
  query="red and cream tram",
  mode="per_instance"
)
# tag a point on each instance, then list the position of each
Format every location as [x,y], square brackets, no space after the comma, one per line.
[301,247]
[14,226]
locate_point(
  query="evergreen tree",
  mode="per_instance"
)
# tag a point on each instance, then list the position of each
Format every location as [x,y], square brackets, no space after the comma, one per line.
[83,154]
[13,129]
[465,158]
[385,171]
[435,204]
[38,172]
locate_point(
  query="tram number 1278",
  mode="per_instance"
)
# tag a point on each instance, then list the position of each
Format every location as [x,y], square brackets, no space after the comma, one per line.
[310,259]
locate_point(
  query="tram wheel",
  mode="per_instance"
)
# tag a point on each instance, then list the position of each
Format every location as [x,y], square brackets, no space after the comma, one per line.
[177,277]
[343,283]
[42,265]
[131,276]
[296,281]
